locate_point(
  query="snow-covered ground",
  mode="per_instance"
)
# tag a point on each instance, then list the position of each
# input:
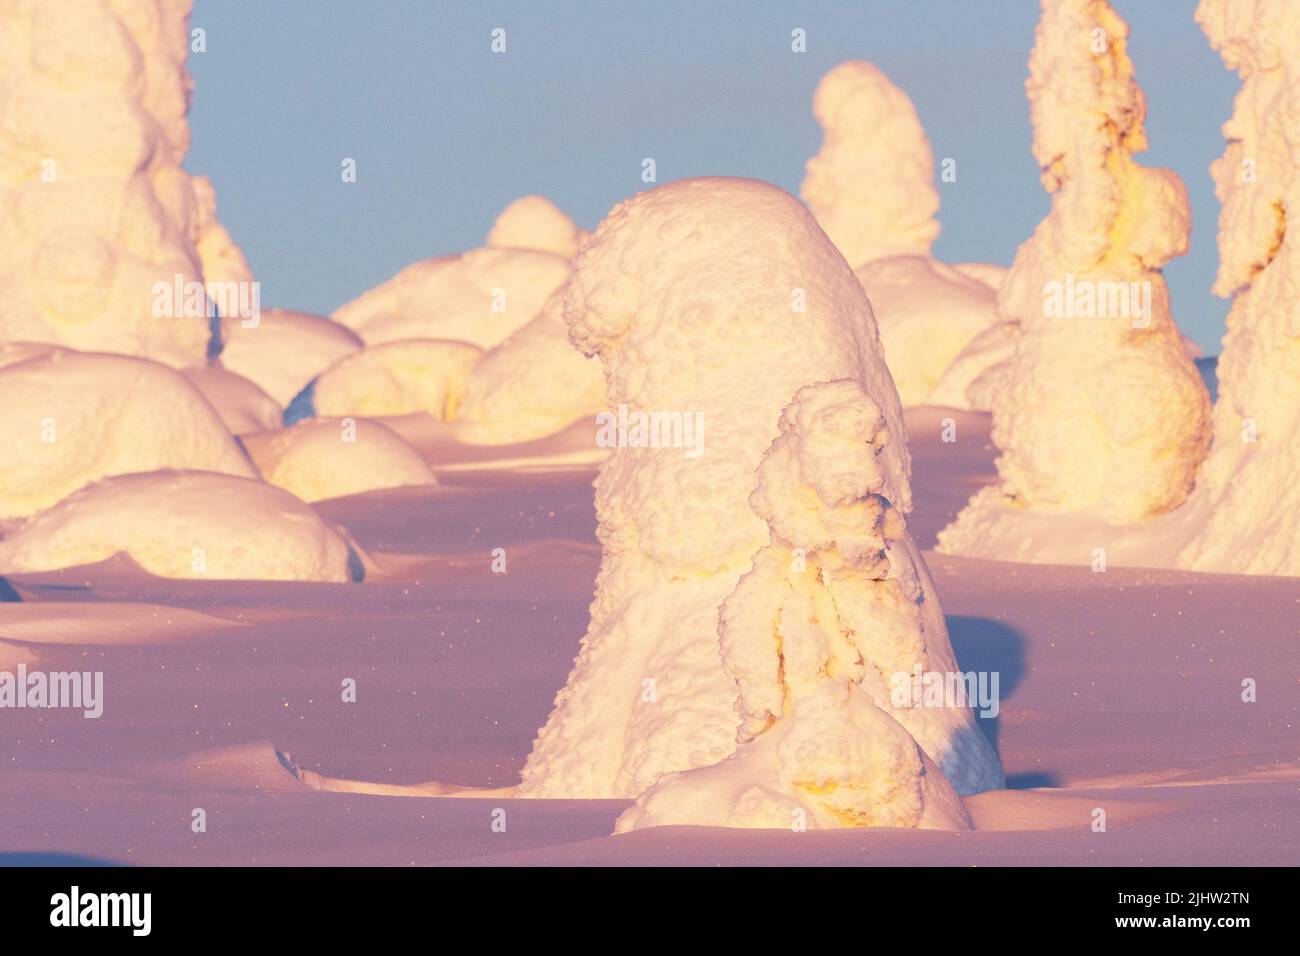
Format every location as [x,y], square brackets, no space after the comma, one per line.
[1119,690]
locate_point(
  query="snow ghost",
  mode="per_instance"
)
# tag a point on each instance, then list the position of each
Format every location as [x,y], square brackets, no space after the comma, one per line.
[872,189]
[95,208]
[684,292]
[1248,495]
[813,646]
[872,185]
[1099,410]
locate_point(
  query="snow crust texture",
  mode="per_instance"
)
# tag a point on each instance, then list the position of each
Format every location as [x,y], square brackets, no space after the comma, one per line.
[95,206]
[673,292]
[180,524]
[1248,494]
[71,421]
[1099,410]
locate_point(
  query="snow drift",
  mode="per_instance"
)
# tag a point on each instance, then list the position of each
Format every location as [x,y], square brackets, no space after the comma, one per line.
[676,291]
[1099,411]
[75,417]
[928,313]
[480,296]
[397,378]
[179,524]
[533,384]
[243,406]
[285,350]
[95,207]
[320,459]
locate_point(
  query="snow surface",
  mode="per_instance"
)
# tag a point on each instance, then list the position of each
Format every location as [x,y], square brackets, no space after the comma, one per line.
[453,687]
[182,524]
[70,421]
[102,95]
[533,384]
[1104,418]
[325,458]
[285,350]
[676,280]
[836,604]
[397,378]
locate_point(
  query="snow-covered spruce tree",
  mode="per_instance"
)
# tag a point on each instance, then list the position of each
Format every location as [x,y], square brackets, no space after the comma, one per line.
[1100,411]
[812,636]
[718,299]
[1247,503]
[871,185]
[95,207]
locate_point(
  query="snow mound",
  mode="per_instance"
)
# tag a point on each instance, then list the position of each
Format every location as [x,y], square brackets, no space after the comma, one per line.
[871,186]
[397,378]
[243,406]
[75,417]
[182,524]
[95,207]
[534,222]
[533,384]
[285,350]
[814,635]
[970,380]
[320,459]
[1248,489]
[685,293]
[480,297]
[927,313]
[1099,411]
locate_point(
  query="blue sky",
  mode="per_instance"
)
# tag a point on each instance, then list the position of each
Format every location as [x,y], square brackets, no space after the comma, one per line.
[445,133]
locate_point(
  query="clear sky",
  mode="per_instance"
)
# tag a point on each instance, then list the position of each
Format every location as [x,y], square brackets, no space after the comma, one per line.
[445,133]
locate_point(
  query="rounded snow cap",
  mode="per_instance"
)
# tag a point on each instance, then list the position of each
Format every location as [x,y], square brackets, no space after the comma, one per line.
[871,186]
[534,222]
